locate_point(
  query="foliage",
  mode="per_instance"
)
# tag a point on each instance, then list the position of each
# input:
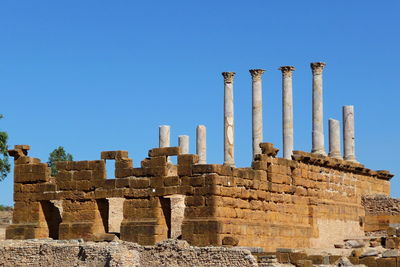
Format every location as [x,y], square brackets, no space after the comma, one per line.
[5,208]
[4,163]
[58,154]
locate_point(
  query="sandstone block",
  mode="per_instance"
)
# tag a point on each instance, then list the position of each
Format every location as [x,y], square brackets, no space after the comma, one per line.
[165,151]
[123,163]
[212,168]
[230,241]
[386,262]
[82,175]
[268,149]
[194,201]
[119,154]
[369,261]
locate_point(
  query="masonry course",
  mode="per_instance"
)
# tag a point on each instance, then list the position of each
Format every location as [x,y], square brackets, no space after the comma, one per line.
[298,203]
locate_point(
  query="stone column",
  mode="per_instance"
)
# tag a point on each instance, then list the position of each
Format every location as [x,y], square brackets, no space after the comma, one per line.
[257,109]
[183,142]
[201,145]
[348,133]
[334,139]
[229,157]
[287,111]
[164,136]
[317,109]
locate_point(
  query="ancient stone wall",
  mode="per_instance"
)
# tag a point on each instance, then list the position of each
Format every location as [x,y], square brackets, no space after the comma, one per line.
[381,212]
[75,253]
[275,203]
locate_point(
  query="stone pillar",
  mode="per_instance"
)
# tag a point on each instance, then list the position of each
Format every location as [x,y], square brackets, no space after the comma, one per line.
[229,157]
[348,133]
[201,145]
[164,136]
[287,111]
[183,142]
[334,139]
[317,109]
[257,109]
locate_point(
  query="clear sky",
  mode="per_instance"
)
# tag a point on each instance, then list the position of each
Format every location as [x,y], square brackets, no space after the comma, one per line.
[103,75]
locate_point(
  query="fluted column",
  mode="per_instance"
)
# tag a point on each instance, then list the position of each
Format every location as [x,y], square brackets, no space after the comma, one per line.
[257,109]
[229,157]
[317,109]
[348,133]
[287,111]
[201,149]
[334,139]
[183,142]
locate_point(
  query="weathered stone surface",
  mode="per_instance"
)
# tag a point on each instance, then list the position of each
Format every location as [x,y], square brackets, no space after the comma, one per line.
[165,151]
[230,241]
[257,121]
[311,201]
[389,253]
[317,109]
[287,111]
[173,253]
[229,133]
[269,149]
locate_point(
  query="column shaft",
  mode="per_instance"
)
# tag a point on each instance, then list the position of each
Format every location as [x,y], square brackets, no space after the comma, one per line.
[183,142]
[334,139]
[229,157]
[348,133]
[317,109]
[164,136]
[201,149]
[287,111]
[257,122]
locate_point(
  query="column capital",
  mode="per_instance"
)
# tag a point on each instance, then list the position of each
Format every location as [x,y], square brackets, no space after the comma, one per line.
[228,76]
[287,70]
[317,67]
[256,73]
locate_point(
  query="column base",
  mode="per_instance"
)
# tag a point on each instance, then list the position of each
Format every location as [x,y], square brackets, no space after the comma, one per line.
[335,155]
[319,152]
[351,159]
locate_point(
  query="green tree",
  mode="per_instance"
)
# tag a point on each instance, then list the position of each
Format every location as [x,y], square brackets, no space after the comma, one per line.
[58,154]
[4,163]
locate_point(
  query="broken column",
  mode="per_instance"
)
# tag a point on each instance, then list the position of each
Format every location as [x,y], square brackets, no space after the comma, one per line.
[201,149]
[348,133]
[334,139]
[183,142]
[287,111]
[317,109]
[228,119]
[257,109]
[164,136]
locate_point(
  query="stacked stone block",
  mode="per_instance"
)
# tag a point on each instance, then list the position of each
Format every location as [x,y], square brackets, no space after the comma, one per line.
[275,203]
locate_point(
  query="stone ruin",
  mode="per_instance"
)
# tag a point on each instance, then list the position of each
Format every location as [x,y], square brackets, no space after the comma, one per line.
[303,200]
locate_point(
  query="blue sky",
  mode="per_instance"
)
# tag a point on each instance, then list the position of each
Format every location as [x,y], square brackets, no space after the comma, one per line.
[103,75]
